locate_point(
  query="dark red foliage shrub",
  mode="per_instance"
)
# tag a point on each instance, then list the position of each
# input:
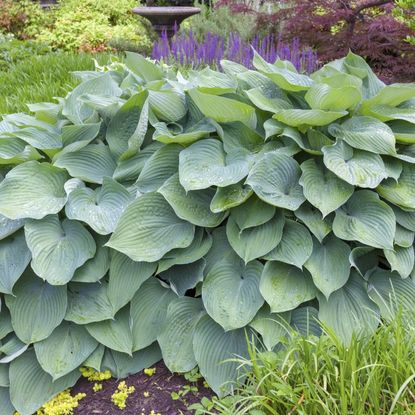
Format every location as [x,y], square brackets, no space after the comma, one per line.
[12,19]
[332,27]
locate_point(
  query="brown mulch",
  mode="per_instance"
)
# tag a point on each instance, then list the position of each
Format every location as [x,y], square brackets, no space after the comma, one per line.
[160,386]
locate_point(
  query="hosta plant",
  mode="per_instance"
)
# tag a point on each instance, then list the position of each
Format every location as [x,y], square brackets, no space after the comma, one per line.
[153,215]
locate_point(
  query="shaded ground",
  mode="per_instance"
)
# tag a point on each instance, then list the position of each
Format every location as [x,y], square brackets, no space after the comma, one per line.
[159,387]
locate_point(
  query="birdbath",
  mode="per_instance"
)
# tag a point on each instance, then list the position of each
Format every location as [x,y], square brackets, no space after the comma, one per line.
[166,19]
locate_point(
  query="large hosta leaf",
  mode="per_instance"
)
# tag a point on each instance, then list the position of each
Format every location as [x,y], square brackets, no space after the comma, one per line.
[402,191]
[149,228]
[100,208]
[349,310]
[15,151]
[393,95]
[90,164]
[312,218]
[32,190]
[9,226]
[329,264]
[231,294]
[148,312]
[322,188]
[7,406]
[36,309]
[387,113]
[285,287]
[366,133]
[167,105]
[315,118]
[367,219]
[274,178]
[213,349]
[58,248]
[205,164]
[401,260]
[192,206]
[14,258]
[357,167]
[64,350]
[176,338]
[255,242]
[31,387]
[364,259]
[230,196]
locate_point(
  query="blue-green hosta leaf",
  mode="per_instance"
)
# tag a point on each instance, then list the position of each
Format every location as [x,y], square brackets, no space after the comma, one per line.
[406,153]
[357,167]
[58,248]
[184,277]
[127,129]
[403,131]
[75,110]
[149,228]
[199,247]
[100,208]
[249,79]
[255,242]
[285,287]
[168,105]
[126,277]
[14,258]
[364,259]
[393,167]
[305,321]
[7,405]
[349,311]
[299,117]
[295,247]
[271,326]
[115,333]
[253,213]
[15,151]
[206,164]
[405,218]
[94,360]
[388,113]
[90,164]
[365,133]
[5,322]
[274,178]
[314,221]
[367,219]
[268,100]
[312,142]
[4,376]
[36,308]
[48,141]
[213,82]
[161,165]
[231,294]
[392,294]
[11,349]
[31,387]
[9,226]
[64,350]
[97,267]
[222,109]
[401,260]
[88,303]
[32,190]
[393,95]
[80,133]
[333,97]
[237,136]
[143,67]
[148,312]
[229,197]
[192,206]
[329,264]
[404,237]
[213,349]
[402,191]
[322,188]
[176,337]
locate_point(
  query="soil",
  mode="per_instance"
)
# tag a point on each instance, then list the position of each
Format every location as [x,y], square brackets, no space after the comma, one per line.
[159,386]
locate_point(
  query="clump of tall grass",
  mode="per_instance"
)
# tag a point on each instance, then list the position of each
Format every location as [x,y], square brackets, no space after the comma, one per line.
[322,376]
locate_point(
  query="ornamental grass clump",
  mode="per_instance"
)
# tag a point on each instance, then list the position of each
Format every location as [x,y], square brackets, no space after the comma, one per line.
[150,215]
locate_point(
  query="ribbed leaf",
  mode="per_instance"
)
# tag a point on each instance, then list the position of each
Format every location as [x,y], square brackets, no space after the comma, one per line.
[32,190]
[315,118]
[312,142]
[213,348]
[176,338]
[167,105]
[231,294]
[305,321]
[15,151]
[5,322]
[350,311]
[405,218]
[255,242]
[357,167]
[253,213]
[367,219]
[315,223]
[149,228]
[401,260]
[393,95]
[388,113]
[274,178]
[237,136]
[64,350]
[143,67]
[230,196]
[404,131]
[322,188]
[329,264]
[205,164]
[148,312]
[48,141]
[9,226]
[285,287]
[7,406]
[36,309]
[268,100]
[364,259]
[58,248]
[404,237]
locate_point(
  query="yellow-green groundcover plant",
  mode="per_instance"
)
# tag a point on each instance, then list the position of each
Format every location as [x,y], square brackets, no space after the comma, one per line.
[153,215]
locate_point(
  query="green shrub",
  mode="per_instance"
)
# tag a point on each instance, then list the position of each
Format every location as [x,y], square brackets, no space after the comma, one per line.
[149,215]
[88,25]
